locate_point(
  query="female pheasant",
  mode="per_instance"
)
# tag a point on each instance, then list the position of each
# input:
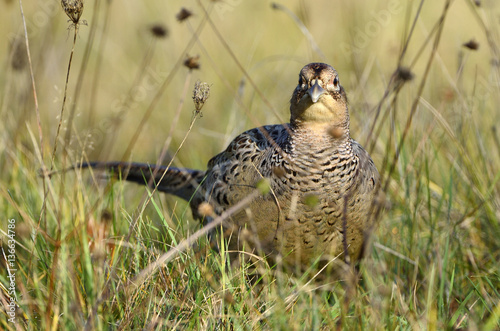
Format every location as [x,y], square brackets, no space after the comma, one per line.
[322,184]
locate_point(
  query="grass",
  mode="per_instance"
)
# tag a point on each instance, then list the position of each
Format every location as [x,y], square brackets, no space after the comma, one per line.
[98,254]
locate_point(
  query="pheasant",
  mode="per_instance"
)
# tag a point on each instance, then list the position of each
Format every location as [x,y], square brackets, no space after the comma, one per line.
[322,184]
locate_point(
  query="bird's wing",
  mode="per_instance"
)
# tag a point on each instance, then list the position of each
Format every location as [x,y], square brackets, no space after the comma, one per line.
[232,174]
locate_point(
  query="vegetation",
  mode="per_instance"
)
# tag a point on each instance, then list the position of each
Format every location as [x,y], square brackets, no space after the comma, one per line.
[115,82]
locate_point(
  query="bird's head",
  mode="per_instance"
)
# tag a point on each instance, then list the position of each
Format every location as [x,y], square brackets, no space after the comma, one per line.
[319,99]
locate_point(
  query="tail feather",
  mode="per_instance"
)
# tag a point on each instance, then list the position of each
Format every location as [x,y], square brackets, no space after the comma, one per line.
[181,182]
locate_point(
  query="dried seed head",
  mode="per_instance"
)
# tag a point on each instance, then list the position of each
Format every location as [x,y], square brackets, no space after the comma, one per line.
[246,234]
[472,45]
[201,93]
[205,209]
[279,172]
[228,298]
[73,8]
[264,186]
[192,62]
[183,14]
[106,216]
[159,30]
[311,200]
[19,58]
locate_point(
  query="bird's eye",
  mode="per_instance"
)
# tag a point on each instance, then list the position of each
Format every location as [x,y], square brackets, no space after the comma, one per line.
[335,81]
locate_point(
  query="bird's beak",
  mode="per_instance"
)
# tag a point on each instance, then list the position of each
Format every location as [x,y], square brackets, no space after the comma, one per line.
[315,91]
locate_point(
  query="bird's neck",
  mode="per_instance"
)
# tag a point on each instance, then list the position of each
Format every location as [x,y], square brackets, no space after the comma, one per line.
[310,138]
